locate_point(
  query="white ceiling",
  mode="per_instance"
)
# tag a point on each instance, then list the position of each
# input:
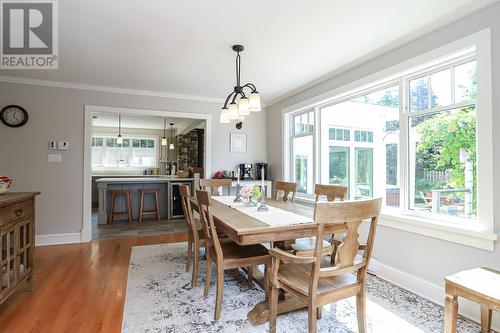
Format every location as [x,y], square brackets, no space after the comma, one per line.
[144,122]
[183,47]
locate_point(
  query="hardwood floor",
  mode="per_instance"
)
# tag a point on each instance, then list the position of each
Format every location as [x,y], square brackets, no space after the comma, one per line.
[78,287]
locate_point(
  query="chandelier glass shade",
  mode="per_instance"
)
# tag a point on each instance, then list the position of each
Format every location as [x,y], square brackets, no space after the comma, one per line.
[237,105]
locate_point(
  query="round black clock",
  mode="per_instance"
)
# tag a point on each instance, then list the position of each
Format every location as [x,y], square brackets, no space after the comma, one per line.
[14,116]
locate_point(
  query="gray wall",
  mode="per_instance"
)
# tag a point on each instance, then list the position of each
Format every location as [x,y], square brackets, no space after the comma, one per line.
[58,114]
[428,258]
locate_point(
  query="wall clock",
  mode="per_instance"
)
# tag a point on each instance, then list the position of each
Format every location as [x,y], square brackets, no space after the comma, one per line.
[14,116]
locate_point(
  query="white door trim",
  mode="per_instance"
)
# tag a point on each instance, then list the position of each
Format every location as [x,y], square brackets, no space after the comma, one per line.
[87,145]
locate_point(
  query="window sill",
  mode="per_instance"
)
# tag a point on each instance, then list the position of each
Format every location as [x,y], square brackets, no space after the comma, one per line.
[451,232]
[465,235]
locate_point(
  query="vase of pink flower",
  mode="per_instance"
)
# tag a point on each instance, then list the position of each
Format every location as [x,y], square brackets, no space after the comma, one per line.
[250,195]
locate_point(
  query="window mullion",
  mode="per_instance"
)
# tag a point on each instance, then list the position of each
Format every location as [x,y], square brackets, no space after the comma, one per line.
[404,93]
[317,146]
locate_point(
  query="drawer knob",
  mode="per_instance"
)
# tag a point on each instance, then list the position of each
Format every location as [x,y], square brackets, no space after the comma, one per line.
[18,212]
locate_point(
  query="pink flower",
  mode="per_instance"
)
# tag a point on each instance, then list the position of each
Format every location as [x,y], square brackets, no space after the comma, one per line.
[246,191]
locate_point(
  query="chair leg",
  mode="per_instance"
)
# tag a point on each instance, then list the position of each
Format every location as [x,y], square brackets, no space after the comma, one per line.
[450,314]
[129,208]
[190,252]
[157,207]
[312,320]
[485,319]
[112,211]
[319,312]
[142,206]
[250,277]
[208,273]
[266,279]
[220,292]
[361,310]
[196,266]
[273,308]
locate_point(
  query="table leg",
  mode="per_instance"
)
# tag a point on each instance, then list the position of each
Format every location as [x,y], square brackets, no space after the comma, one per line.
[259,315]
[450,314]
[485,319]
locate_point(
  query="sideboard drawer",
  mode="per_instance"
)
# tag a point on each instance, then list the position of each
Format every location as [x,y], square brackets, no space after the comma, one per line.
[16,211]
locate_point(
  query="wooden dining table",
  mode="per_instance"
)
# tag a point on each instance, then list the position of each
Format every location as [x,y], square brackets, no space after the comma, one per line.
[246,230]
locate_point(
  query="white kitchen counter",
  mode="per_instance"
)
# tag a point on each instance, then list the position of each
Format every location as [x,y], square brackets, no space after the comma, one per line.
[156,179]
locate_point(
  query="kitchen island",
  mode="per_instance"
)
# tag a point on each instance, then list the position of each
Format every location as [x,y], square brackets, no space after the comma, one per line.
[169,197]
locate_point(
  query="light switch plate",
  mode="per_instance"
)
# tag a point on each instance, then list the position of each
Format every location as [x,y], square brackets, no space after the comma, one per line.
[52,145]
[55,158]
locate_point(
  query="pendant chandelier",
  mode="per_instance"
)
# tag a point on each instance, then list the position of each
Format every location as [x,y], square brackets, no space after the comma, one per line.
[238,109]
[119,139]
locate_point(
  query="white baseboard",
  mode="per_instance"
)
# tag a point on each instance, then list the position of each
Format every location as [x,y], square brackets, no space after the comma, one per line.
[431,291]
[55,239]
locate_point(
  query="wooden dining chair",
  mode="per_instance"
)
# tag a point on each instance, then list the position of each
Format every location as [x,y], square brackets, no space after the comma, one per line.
[285,188]
[196,237]
[226,255]
[305,246]
[331,192]
[215,185]
[314,280]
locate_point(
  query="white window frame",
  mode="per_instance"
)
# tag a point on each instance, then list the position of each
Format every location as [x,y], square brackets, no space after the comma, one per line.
[127,168]
[480,234]
[291,125]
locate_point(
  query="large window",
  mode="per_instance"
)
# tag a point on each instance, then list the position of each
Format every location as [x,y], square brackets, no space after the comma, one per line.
[362,162]
[134,152]
[411,141]
[442,141]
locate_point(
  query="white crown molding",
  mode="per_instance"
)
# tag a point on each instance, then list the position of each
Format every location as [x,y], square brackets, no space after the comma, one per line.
[116,90]
[432,26]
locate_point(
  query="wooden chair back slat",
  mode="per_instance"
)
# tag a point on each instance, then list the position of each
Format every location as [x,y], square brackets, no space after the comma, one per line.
[286,188]
[214,185]
[331,192]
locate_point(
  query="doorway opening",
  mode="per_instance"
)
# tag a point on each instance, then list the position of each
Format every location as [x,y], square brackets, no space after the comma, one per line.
[135,160]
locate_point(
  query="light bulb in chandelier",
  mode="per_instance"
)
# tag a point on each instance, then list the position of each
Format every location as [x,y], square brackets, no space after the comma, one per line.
[243,107]
[119,139]
[171,146]
[254,102]
[164,141]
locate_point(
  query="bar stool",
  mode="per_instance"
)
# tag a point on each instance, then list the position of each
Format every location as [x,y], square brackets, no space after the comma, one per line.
[156,211]
[128,212]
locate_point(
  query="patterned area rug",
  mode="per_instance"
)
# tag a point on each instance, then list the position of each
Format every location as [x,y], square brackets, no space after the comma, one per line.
[160,299]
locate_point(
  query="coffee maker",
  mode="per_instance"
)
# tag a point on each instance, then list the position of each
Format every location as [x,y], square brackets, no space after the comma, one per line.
[246,171]
[258,171]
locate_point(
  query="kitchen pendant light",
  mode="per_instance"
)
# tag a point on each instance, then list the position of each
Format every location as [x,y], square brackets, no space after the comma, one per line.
[233,108]
[164,139]
[171,147]
[119,139]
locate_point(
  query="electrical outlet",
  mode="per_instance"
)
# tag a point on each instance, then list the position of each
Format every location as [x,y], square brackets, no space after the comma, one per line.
[62,145]
[52,145]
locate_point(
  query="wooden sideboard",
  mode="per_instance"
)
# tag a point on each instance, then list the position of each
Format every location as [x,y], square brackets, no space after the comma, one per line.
[17,241]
